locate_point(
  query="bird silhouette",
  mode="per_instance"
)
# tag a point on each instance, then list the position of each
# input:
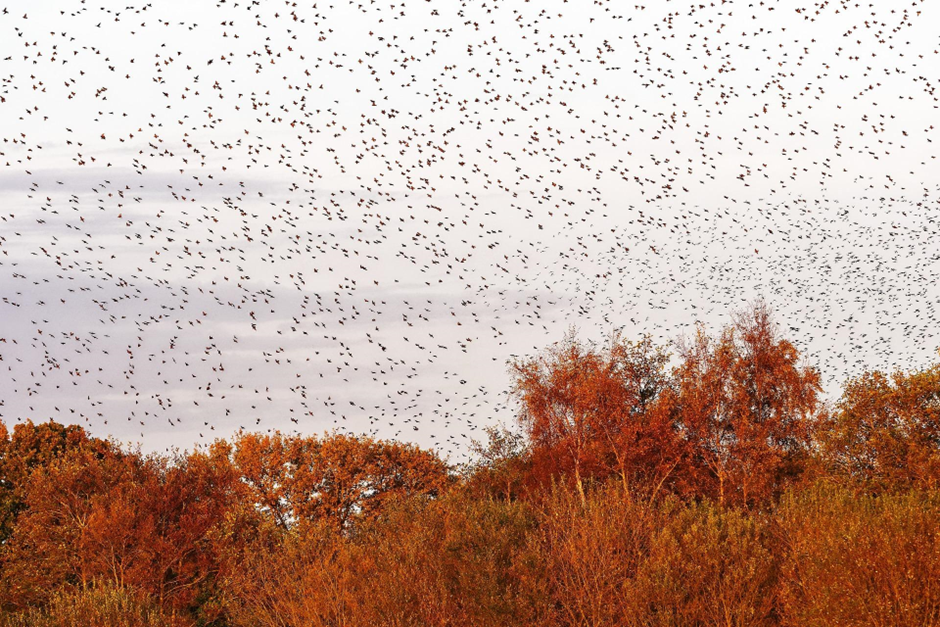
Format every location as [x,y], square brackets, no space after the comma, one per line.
[350,216]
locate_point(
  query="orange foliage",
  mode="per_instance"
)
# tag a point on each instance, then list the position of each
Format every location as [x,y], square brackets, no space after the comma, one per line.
[303,577]
[135,522]
[732,421]
[49,547]
[502,465]
[885,431]
[586,411]
[639,492]
[335,478]
[588,553]
[97,606]
[852,559]
[28,447]
[707,566]
[744,406]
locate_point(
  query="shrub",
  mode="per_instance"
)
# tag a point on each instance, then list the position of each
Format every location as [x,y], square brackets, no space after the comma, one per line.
[96,606]
[708,566]
[853,559]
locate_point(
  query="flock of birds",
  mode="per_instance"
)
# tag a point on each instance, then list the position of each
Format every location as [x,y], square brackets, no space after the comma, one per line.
[349,215]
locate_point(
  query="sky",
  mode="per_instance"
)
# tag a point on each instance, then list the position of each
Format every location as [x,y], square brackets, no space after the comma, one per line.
[352,216]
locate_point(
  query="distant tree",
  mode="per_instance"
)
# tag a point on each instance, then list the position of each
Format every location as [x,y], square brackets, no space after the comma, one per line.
[338,477]
[29,447]
[502,464]
[745,407]
[885,430]
[586,410]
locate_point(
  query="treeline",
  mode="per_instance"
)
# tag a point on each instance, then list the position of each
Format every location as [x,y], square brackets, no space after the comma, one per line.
[710,487]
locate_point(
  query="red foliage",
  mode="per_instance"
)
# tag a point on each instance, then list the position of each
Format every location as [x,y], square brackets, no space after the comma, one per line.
[639,491]
[885,431]
[335,478]
[745,407]
[732,421]
[587,412]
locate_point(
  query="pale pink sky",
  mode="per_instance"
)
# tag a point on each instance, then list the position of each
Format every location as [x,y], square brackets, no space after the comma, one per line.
[352,215]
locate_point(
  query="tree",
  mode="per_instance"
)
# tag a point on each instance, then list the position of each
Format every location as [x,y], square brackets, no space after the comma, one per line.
[29,447]
[885,430]
[47,547]
[502,464]
[338,477]
[136,522]
[586,411]
[744,405]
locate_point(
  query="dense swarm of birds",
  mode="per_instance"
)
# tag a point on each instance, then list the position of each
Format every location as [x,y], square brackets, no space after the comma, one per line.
[349,215]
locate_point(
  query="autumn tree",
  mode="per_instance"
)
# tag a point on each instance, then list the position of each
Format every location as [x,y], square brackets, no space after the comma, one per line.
[46,549]
[337,478]
[585,409]
[744,405]
[885,430]
[123,519]
[501,465]
[183,502]
[28,447]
